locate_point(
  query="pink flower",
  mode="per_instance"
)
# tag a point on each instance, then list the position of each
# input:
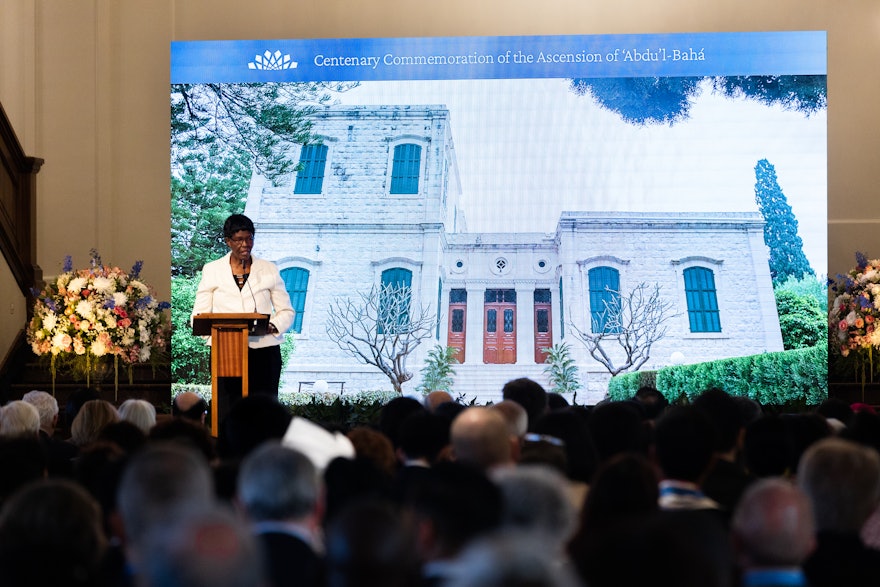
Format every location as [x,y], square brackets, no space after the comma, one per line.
[843,325]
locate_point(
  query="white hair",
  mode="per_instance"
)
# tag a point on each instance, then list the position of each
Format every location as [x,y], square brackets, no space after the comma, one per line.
[19,419]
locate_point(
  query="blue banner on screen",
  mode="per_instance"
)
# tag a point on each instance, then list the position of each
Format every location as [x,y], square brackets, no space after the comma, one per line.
[498,57]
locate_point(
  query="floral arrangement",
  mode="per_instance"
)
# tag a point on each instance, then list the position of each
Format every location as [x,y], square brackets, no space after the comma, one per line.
[855,311]
[102,311]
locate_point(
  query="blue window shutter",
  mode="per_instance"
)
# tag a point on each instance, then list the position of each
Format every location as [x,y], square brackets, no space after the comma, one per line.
[405,169]
[702,301]
[397,277]
[310,177]
[604,291]
[296,282]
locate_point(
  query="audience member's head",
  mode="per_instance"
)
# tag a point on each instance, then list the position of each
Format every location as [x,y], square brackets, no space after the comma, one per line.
[125,435]
[375,446]
[19,419]
[185,431]
[203,548]
[98,468]
[768,448]
[393,413]
[573,431]
[535,500]
[47,406]
[422,437]
[617,427]
[725,415]
[75,401]
[529,394]
[369,545]
[251,421]
[51,534]
[653,402]
[510,559]
[864,428]
[189,405]
[160,484]
[556,401]
[139,412]
[772,525]
[22,459]
[90,420]
[479,437]
[276,483]
[436,398]
[625,486]
[684,442]
[446,520]
[804,430]
[842,479]
[515,415]
[349,480]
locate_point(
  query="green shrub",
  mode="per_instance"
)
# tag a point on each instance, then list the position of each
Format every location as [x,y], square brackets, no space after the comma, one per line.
[438,372]
[787,378]
[561,369]
[801,320]
[190,356]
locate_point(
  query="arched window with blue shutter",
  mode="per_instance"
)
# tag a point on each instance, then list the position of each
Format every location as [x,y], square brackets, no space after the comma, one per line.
[296,282]
[604,294]
[310,177]
[405,169]
[702,301]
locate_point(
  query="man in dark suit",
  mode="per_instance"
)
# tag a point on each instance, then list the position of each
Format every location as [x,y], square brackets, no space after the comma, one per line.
[279,489]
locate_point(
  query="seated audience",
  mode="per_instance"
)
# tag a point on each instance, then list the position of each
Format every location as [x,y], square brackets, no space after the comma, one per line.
[617,427]
[529,394]
[768,447]
[434,399]
[90,420]
[60,454]
[727,478]
[279,490]
[139,412]
[842,480]
[373,445]
[479,438]
[773,533]
[190,406]
[684,447]
[22,459]
[370,545]
[19,419]
[202,548]
[51,535]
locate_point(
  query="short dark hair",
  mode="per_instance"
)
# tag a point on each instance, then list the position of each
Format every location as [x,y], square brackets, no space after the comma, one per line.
[237,222]
[529,394]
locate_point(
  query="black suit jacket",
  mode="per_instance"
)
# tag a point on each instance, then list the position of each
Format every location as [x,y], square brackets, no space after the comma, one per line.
[290,561]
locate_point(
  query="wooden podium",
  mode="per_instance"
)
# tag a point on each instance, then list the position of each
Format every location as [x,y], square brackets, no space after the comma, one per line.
[229,353]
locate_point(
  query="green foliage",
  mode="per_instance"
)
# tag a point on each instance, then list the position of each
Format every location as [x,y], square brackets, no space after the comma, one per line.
[561,369]
[801,320]
[438,372]
[787,257]
[791,378]
[625,385]
[808,286]
[190,356]
[668,100]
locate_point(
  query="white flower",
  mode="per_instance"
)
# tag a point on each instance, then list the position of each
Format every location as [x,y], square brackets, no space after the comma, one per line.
[60,342]
[85,325]
[103,285]
[120,299]
[76,284]
[98,348]
[49,321]
[144,354]
[85,309]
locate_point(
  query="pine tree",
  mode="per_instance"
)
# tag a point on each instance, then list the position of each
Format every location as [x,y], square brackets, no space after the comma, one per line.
[787,257]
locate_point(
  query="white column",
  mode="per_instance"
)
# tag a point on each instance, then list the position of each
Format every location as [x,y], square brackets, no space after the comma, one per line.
[525,322]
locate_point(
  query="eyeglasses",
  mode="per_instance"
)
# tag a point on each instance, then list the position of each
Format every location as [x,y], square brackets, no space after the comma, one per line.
[241,241]
[532,437]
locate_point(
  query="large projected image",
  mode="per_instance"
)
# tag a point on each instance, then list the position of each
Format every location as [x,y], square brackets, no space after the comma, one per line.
[627,202]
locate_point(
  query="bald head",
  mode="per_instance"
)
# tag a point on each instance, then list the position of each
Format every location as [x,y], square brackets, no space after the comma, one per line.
[480,436]
[773,525]
[515,415]
[189,405]
[435,398]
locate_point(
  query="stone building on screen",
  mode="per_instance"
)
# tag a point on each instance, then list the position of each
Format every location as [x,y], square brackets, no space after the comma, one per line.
[379,200]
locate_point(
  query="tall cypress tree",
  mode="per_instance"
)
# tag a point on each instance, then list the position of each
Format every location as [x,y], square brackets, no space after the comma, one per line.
[787,257]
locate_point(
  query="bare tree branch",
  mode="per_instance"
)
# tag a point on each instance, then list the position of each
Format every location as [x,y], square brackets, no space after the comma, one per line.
[632,322]
[381,328]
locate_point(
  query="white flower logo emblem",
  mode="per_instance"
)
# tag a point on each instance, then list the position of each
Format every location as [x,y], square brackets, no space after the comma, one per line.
[272,61]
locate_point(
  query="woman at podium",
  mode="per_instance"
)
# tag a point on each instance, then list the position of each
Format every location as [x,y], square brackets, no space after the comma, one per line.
[240,283]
